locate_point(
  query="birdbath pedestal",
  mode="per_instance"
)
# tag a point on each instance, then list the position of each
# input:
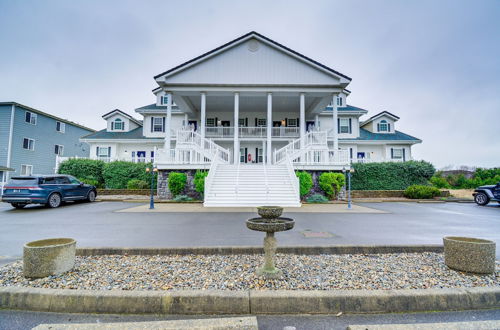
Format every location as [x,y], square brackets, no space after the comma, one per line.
[270,222]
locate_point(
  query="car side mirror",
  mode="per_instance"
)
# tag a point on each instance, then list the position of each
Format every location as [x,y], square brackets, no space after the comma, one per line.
[81,184]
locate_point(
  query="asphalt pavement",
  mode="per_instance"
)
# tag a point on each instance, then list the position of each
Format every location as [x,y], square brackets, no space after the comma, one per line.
[99,225]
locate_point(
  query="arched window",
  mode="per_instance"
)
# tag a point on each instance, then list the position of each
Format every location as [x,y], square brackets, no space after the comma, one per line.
[383,126]
[117,124]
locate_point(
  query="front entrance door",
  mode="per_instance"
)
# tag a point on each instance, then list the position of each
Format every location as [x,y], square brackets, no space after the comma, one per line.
[361,155]
[309,126]
[194,123]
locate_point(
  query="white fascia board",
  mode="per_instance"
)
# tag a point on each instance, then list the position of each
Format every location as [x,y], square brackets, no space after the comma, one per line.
[255,88]
[157,111]
[162,78]
[342,113]
[379,141]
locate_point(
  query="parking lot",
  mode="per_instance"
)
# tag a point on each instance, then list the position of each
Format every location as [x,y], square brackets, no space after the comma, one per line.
[99,224]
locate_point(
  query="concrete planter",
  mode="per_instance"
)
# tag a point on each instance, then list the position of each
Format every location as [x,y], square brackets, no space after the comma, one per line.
[468,254]
[48,257]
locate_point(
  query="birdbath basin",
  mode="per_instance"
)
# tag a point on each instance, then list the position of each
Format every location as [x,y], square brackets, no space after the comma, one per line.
[270,222]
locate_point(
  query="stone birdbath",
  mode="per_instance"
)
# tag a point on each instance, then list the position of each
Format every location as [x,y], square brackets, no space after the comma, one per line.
[270,222]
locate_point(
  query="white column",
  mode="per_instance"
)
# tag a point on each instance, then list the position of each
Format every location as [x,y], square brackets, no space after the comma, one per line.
[302,119]
[335,123]
[269,125]
[316,122]
[167,122]
[203,109]
[186,120]
[236,128]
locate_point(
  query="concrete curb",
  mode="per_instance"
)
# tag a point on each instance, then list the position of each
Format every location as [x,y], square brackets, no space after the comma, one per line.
[232,250]
[248,302]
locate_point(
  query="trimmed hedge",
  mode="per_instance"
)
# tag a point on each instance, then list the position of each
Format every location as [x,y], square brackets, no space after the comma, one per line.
[199,181]
[390,176]
[85,170]
[176,183]
[137,184]
[305,182]
[118,174]
[331,183]
[421,192]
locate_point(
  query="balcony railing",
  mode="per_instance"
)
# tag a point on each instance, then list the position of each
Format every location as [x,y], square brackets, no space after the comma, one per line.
[259,132]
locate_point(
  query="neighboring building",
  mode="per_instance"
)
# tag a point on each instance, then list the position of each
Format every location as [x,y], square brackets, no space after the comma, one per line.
[30,140]
[251,101]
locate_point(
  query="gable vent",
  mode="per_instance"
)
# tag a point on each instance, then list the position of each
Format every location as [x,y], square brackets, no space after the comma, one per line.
[253,45]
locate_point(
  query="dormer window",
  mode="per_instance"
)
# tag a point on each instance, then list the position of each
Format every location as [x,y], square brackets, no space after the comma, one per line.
[339,101]
[384,126]
[117,125]
[164,99]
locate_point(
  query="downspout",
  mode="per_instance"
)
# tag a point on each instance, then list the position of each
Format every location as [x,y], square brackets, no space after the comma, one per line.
[9,148]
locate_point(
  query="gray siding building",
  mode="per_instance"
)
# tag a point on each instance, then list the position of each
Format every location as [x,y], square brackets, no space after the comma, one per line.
[30,140]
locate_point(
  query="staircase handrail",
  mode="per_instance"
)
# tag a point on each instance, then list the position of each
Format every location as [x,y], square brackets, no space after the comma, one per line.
[203,144]
[302,144]
[293,177]
[210,177]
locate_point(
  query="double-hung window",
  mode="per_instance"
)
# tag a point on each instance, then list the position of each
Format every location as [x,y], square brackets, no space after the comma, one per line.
[344,125]
[261,122]
[60,127]
[26,170]
[397,153]
[291,122]
[210,122]
[28,144]
[157,124]
[164,100]
[339,101]
[383,126]
[241,122]
[58,149]
[103,152]
[117,125]
[30,117]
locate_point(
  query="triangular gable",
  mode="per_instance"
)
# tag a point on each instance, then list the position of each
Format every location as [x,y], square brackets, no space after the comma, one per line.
[253,59]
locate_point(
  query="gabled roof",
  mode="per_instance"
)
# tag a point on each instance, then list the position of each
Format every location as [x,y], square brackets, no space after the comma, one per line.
[347,108]
[365,135]
[118,111]
[380,114]
[47,115]
[134,134]
[248,36]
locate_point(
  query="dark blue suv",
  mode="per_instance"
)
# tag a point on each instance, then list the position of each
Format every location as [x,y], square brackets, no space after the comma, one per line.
[50,190]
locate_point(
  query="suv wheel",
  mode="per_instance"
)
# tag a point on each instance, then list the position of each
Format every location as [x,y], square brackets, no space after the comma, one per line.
[481,199]
[54,200]
[91,196]
[18,205]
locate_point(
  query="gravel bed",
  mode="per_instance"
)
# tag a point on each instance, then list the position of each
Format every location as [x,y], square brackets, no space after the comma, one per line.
[237,272]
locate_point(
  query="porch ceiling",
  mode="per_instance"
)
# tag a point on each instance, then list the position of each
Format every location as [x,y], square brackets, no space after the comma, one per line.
[251,102]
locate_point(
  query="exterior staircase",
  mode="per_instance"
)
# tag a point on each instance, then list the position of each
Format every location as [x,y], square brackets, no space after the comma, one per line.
[251,185]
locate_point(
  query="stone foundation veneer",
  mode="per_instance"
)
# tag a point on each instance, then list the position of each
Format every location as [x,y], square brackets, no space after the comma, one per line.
[162,188]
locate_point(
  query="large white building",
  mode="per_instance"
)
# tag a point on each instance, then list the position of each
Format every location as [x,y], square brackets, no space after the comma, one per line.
[251,112]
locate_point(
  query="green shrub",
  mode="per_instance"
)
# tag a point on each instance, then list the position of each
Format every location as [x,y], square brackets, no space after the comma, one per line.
[182,198]
[176,182]
[331,183]
[199,181]
[305,182]
[137,184]
[118,174]
[390,175]
[439,182]
[421,192]
[90,182]
[84,169]
[317,198]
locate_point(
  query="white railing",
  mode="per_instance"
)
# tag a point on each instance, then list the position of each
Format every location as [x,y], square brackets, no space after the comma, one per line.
[256,131]
[210,177]
[314,139]
[293,177]
[208,148]
[378,160]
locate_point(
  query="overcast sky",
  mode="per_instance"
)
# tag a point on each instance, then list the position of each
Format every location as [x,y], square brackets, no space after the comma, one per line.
[436,64]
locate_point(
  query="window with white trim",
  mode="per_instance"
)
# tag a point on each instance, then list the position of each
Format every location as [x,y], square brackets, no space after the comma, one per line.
[103,152]
[28,144]
[261,122]
[241,122]
[383,126]
[30,117]
[291,122]
[157,124]
[60,127]
[26,170]
[397,153]
[210,122]
[339,101]
[164,99]
[344,125]
[58,149]
[117,125]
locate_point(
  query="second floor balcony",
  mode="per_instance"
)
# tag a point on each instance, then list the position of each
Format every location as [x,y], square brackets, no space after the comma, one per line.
[252,132]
